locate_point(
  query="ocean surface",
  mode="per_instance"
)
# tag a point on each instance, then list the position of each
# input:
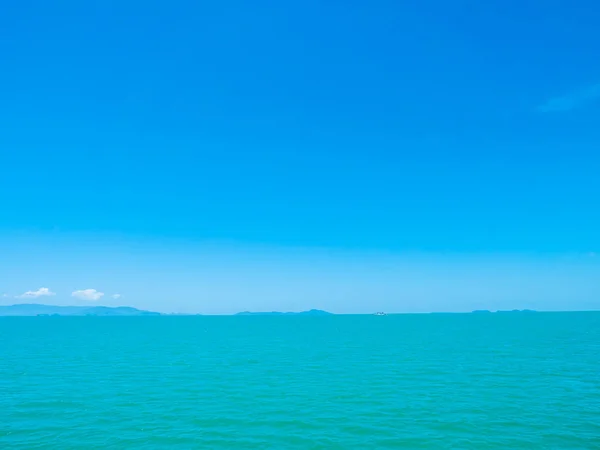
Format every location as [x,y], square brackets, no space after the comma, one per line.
[432,381]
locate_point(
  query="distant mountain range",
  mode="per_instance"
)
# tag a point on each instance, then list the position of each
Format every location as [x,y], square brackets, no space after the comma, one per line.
[485,311]
[30,309]
[49,310]
[312,312]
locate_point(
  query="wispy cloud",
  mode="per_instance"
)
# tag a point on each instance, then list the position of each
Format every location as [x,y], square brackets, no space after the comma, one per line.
[88,294]
[41,292]
[572,100]
[116,296]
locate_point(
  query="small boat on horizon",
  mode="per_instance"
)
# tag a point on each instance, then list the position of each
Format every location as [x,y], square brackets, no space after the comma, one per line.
[380,314]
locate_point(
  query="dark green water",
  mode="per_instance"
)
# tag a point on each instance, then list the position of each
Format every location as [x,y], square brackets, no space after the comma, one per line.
[514,381]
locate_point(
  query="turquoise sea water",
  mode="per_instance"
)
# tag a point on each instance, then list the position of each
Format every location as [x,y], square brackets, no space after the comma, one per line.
[461,381]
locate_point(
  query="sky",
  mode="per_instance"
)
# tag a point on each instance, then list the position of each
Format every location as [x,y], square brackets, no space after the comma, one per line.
[250,155]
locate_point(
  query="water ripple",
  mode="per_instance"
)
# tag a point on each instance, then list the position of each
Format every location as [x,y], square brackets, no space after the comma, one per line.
[342,382]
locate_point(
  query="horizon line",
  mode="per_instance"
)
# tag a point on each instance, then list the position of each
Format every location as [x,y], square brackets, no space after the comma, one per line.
[250,313]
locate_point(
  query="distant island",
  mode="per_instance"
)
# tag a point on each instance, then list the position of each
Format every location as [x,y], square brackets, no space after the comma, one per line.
[31,309]
[312,312]
[49,310]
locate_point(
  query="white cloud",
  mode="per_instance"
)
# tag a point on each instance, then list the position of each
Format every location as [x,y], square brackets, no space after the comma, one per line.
[41,292]
[572,100]
[116,296]
[88,294]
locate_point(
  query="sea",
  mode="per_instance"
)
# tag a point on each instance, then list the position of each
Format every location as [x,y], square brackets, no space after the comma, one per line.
[414,381]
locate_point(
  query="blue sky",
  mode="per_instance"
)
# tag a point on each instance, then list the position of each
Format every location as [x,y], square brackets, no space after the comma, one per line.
[212,157]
